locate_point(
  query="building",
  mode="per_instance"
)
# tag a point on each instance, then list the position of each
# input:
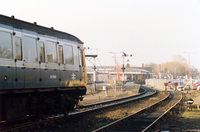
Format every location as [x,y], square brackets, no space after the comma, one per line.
[108,73]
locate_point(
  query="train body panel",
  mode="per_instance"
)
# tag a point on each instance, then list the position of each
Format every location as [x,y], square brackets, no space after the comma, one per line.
[38,64]
[50,78]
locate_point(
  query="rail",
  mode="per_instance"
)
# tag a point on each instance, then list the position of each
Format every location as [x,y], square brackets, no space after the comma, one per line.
[153,123]
[115,123]
[114,103]
[111,101]
[24,126]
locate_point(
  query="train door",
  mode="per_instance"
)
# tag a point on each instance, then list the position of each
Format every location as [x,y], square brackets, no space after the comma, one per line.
[19,64]
[51,73]
[62,71]
[30,59]
[71,65]
[42,60]
[7,65]
[82,66]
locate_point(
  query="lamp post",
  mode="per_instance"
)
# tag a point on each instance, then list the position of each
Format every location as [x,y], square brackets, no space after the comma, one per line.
[115,81]
[189,70]
[175,72]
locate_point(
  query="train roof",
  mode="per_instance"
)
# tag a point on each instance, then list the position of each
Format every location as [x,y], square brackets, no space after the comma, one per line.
[19,24]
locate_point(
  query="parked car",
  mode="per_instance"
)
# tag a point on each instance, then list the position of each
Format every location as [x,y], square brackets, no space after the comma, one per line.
[195,85]
[181,86]
[198,88]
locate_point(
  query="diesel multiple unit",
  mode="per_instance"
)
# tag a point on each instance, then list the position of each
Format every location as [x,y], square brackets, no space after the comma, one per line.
[42,70]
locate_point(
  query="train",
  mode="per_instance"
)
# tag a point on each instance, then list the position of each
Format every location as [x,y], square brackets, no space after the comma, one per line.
[42,70]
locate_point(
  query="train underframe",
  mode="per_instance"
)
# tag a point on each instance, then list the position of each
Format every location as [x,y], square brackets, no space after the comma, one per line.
[38,104]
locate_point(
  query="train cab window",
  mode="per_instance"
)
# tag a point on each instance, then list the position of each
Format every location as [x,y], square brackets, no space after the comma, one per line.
[29,49]
[51,52]
[60,50]
[68,55]
[41,51]
[18,48]
[80,57]
[5,45]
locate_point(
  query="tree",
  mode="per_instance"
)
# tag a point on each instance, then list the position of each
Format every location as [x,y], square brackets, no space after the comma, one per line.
[154,67]
[176,67]
[194,72]
[173,67]
[179,58]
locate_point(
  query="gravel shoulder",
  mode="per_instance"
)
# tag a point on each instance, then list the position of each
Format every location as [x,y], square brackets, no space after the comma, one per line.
[101,95]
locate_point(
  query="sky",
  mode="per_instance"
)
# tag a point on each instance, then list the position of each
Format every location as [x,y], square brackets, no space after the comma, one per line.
[151,30]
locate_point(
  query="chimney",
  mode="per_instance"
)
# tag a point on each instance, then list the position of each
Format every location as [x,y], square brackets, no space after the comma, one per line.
[128,65]
[142,64]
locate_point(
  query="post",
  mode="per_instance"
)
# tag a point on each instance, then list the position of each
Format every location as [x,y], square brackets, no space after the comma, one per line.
[123,81]
[106,90]
[115,87]
[165,84]
[189,66]
[189,104]
[175,73]
[94,74]
[123,68]
[115,81]
[175,84]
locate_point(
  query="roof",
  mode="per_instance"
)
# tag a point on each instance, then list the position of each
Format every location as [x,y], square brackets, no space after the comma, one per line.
[111,70]
[19,24]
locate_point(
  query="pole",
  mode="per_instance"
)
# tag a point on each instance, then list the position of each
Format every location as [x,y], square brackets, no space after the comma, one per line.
[189,66]
[189,70]
[115,76]
[115,88]
[94,74]
[175,73]
[115,72]
[123,68]
[166,84]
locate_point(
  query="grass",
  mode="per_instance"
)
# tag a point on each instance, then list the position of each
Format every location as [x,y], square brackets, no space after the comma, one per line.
[186,120]
[193,114]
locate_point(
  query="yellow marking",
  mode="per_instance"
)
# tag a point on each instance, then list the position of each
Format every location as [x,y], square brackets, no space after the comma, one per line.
[84,65]
[74,83]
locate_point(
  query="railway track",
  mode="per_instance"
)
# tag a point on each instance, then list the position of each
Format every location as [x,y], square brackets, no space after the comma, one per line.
[146,119]
[112,103]
[86,110]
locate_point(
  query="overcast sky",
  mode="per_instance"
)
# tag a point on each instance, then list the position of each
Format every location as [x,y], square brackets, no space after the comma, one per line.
[151,30]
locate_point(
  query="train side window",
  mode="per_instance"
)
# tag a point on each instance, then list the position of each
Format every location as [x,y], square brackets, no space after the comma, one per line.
[5,45]
[29,49]
[41,51]
[60,50]
[18,48]
[68,55]
[51,52]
